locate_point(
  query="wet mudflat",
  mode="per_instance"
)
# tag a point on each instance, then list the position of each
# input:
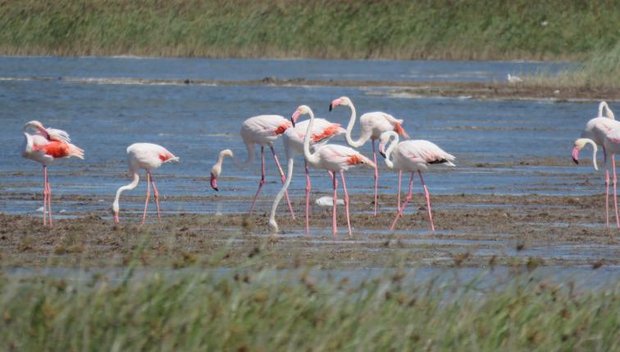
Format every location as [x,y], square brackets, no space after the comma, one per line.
[472,230]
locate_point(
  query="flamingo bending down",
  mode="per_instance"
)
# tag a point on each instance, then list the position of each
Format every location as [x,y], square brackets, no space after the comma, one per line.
[602,130]
[334,158]
[412,156]
[322,131]
[45,145]
[147,156]
[373,124]
[264,130]
[216,170]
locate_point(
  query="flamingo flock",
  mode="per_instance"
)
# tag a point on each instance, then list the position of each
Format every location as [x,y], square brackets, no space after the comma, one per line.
[311,138]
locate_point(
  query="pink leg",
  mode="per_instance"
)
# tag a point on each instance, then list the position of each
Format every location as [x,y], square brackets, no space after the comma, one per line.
[615,181]
[346,201]
[407,199]
[49,199]
[427,195]
[155,195]
[308,189]
[262,177]
[334,225]
[148,195]
[45,195]
[374,155]
[283,178]
[606,187]
[400,177]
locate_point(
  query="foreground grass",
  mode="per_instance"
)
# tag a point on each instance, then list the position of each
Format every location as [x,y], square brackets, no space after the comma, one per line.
[255,309]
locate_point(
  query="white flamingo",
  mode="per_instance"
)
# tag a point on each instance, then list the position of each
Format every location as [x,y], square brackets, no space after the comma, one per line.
[372,124]
[216,170]
[412,156]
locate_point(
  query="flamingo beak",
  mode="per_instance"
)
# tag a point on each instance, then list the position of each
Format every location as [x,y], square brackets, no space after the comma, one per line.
[382,149]
[295,117]
[334,103]
[213,182]
[575,155]
[330,107]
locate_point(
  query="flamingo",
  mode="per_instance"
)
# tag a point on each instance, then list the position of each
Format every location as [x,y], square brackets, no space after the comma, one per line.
[322,131]
[333,158]
[147,156]
[597,130]
[372,125]
[412,156]
[216,170]
[264,130]
[45,145]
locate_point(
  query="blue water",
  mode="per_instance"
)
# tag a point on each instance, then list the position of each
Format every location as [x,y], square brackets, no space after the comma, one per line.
[104,110]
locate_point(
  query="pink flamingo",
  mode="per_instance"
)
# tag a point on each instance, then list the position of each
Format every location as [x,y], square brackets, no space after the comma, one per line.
[264,130]
[412,156]
[322,131]
[334,158]
[44,146]
[147,156]
[216,170]
[373,124]
[601,131]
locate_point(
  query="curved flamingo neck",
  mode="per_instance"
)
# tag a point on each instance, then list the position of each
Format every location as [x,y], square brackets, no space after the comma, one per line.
[388,153]
[276,201]
[360,141]
[594,151]
[132,185]
[311,158]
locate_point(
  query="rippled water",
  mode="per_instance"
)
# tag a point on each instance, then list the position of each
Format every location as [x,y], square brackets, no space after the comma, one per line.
[104,110]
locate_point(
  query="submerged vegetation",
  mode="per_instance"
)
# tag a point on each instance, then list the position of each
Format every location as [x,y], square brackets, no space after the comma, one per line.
[263,309]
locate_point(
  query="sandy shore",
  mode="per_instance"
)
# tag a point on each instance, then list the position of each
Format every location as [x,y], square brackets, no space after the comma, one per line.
[472,230]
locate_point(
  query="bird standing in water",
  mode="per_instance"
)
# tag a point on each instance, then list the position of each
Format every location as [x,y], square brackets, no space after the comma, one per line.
[45,145]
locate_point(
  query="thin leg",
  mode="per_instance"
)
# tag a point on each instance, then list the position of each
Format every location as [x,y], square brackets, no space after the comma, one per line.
[308,189]
[407,199]
[334,225]
[346,202]
[44,195]
[400,178]
[155,195]
[49,198]
[283,178]
[615,180]
[148,195]
[374,155]
[606,186]
[427,195]
[262,177]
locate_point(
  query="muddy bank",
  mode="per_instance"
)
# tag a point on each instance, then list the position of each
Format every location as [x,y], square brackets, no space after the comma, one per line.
[472,230]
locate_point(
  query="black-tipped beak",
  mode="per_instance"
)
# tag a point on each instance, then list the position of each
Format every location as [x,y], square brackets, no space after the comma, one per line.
[213,183]
[382,154]
[576,161]
[293,122]
[330,107]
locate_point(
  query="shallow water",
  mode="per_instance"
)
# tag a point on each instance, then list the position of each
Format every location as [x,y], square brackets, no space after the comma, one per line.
[104,111]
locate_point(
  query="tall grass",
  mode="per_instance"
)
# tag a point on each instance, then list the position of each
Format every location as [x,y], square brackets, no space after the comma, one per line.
[259,310]
[449,29]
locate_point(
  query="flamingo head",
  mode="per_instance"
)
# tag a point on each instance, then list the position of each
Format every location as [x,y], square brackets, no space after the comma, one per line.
[384,140]
[34,124]
[115,211]
[580,144]
[301,110]
[340,101]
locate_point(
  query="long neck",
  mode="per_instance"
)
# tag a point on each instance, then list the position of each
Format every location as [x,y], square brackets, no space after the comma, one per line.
[132,185]
[360,141]
[276,201]
[603,107]
[388,153]
[310,158]
[594,150]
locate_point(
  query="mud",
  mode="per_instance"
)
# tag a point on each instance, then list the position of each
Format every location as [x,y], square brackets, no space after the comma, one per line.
[471,230]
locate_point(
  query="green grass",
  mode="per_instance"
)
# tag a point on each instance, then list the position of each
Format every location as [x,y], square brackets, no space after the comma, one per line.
[481,29]
[254,309]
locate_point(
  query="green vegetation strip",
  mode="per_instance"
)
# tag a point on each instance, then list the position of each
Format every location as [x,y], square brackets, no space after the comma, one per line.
[253,309]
